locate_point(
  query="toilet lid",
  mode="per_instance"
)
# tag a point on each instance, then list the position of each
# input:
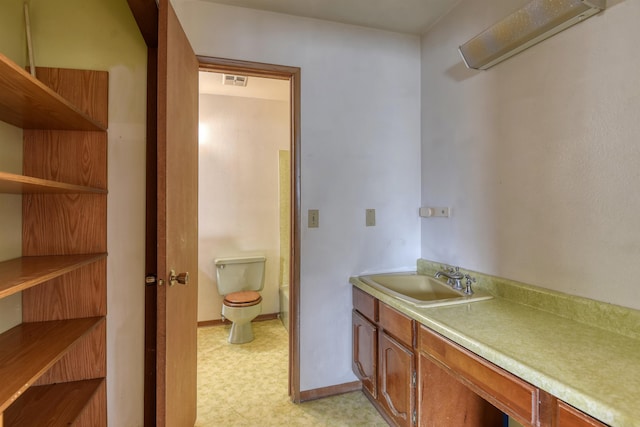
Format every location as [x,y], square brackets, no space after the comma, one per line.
[242,299]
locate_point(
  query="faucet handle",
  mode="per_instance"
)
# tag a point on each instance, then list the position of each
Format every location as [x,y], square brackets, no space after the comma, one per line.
[470,280]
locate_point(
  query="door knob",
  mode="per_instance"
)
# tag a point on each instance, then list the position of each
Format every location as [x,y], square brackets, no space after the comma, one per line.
[182,278]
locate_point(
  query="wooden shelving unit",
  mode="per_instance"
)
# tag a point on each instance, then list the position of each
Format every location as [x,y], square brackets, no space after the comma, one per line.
[28,103]
[22,273]
[53,365]
[19,184]
[30,349]
[55,405]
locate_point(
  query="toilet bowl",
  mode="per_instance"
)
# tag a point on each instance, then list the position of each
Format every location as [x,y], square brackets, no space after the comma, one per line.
[241,308]
[239,280]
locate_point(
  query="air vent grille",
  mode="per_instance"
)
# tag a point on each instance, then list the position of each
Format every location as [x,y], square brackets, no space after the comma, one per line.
[234,80]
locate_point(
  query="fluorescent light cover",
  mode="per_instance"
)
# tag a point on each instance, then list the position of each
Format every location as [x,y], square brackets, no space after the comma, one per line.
[536,21]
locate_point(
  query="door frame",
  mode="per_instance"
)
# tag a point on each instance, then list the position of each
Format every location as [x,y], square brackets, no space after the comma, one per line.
[258,69]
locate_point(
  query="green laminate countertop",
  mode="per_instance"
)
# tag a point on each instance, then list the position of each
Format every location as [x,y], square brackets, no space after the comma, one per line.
[591,368]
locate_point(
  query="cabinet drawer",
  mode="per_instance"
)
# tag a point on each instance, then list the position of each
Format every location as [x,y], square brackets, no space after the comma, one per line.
[505,391]
[568,416]
[365,304]
[396,324]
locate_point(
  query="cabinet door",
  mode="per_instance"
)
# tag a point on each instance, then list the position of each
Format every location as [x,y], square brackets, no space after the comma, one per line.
[568,416]
[396,383]
[365,344]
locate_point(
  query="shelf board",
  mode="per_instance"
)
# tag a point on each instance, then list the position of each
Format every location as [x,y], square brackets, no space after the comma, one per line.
[28,350]
[20,184]
[54,405]
[22,273]
[28,103]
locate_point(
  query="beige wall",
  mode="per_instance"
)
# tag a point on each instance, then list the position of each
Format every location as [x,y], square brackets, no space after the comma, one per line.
[12,45]
[360,148]
[12,28]
[538,156]
[10,218]
[238,190]
[99,34]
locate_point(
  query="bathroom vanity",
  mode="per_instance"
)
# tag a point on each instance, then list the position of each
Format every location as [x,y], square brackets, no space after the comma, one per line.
[415,375]
[384,357]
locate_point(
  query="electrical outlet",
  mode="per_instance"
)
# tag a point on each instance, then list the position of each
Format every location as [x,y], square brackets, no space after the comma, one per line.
[433,212]
[314,218]
[370,217]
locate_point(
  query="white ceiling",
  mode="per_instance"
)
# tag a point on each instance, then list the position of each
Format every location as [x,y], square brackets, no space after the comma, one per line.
[405,16]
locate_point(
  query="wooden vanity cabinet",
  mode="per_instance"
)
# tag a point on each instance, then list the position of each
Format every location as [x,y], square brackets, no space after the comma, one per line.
[384,358]
[455,387]
[365,341]
[568,416]
[396,366]
[556,413]
[501,389]
[365,344]
[443,400]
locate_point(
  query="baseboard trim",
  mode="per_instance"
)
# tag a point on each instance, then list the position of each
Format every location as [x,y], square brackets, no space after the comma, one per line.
[218,322]
[333,390]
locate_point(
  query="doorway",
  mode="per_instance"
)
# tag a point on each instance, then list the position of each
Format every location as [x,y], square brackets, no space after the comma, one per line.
[292,76]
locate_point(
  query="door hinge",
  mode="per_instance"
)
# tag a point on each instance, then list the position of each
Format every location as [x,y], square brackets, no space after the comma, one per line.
[152,279]
[413,379]
[414,417]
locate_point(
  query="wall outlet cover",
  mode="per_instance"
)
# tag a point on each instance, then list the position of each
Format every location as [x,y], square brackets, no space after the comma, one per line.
[427,212]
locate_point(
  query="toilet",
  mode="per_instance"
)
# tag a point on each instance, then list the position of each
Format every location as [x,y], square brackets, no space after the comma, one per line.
[239,281]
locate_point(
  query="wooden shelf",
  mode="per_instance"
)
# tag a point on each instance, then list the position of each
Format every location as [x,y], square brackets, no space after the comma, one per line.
[22,273]
[55,405]
[53,365]
[29,104]
[28,350]
[19,184]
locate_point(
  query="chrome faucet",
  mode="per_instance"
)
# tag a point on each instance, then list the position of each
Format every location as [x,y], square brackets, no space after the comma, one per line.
[470,280]
[453,275]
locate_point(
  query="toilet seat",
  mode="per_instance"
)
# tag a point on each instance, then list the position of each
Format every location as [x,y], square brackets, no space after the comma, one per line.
[242,299]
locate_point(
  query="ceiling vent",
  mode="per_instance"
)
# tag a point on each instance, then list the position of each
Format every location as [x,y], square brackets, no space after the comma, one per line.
[233,80]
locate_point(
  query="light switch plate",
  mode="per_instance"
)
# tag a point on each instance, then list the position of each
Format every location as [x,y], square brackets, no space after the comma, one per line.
[314,218]
[370,217]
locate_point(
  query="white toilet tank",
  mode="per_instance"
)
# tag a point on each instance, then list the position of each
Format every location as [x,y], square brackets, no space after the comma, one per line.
[240,274]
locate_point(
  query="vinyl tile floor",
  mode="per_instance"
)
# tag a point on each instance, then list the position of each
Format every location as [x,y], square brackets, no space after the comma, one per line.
[245,385]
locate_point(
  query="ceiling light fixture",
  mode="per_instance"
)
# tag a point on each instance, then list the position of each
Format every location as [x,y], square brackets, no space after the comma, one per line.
[536,21]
